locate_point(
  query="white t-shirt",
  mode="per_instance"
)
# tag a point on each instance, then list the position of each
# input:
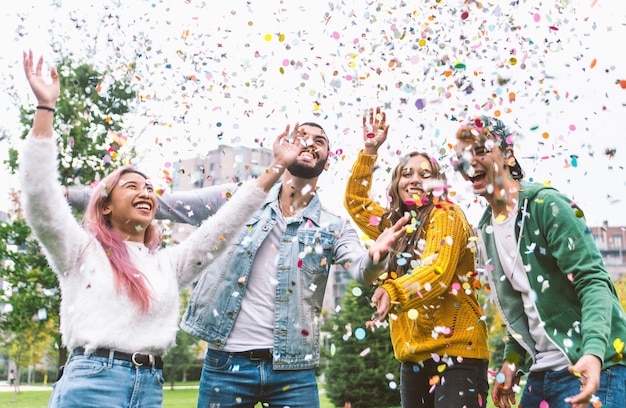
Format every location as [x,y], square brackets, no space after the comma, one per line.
[549,356]
[254,327]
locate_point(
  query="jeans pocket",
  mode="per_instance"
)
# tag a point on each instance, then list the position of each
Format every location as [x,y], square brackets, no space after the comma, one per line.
[217,360]
[158,375]
[83,368]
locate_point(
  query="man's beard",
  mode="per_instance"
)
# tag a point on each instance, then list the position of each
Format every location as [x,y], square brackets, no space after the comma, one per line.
[304,172]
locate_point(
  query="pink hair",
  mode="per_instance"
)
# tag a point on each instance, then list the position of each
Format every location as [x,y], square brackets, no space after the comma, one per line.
[127,276]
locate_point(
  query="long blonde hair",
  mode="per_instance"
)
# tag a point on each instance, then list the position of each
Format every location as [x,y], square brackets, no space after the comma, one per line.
[397,208]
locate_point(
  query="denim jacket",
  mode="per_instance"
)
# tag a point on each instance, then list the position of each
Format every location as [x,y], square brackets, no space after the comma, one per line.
[313,241]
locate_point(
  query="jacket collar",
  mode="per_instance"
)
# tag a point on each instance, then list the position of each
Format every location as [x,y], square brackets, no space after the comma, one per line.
[311,212]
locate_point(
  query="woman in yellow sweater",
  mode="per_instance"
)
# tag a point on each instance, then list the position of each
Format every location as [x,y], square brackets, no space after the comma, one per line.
[437,328]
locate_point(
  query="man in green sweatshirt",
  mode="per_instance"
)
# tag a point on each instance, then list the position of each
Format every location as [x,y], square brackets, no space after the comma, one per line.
[566,326]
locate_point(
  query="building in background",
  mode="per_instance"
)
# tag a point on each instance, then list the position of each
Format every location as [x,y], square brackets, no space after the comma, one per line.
[611,242]
[226,164]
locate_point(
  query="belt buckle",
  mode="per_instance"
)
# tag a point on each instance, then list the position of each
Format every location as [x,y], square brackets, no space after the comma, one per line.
[133,359]
[259,355]
[138,364]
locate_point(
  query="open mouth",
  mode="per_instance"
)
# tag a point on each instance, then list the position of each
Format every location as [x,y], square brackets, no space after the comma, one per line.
[414,191]
[307,154]
[143,206]
[477,176]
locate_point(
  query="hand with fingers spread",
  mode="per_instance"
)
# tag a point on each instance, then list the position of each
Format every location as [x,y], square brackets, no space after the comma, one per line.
[287,148]
[46,92]
[375,129]
[286,151]
[380,248]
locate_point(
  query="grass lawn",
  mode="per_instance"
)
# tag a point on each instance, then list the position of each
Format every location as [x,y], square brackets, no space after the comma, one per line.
[177,398]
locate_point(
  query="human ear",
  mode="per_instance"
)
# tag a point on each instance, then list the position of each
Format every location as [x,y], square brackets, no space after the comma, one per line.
[327,165]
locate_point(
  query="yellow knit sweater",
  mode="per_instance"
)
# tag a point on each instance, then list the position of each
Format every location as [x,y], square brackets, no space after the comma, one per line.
[437,312]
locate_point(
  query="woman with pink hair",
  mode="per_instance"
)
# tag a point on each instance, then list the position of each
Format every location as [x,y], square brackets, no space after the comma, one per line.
[120,295]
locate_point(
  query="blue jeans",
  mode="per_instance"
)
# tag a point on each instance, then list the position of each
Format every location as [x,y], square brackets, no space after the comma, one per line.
[461,384]
[554,386]
[233,381]
[91,381]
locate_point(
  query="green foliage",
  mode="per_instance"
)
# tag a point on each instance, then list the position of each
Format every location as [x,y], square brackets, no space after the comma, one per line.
[31,290]
[620,287]
[496,329]
[89,116]
[32,284]
[89,119]
[180,358]
[497,332]
[360,370]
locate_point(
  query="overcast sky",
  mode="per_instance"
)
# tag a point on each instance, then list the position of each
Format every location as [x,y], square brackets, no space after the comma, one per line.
[238,72]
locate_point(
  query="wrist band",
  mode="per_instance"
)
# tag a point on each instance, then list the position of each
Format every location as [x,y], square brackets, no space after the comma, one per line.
[46,108]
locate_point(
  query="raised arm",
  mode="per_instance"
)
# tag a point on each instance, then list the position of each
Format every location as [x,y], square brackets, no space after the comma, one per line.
[364,211]
[215,233]
[45,208]
[195,206]
[46,93]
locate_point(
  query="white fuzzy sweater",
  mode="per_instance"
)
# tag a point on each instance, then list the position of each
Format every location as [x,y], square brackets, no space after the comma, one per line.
[93,313]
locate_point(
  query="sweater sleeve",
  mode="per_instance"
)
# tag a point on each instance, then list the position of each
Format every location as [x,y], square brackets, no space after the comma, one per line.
[213,236]
[360,206]
[446,239]
[45,208]
[194,206]
[189,207]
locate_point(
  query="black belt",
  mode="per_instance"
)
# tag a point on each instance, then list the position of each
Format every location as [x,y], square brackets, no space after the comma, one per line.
[138,359]
[255,355]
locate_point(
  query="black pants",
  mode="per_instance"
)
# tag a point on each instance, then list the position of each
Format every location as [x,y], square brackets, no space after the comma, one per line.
[450,383]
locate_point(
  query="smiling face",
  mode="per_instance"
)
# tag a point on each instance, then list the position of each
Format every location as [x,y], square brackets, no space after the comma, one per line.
[131,206]
[415,173]
[415,182]
[313,158]
[482,162]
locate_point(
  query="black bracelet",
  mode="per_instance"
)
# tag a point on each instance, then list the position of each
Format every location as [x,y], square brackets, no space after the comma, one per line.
[47,108]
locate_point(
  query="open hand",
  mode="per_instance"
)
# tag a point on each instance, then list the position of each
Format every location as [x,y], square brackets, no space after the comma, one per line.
[380,248]
[286,149]
[46,92]
[375,130]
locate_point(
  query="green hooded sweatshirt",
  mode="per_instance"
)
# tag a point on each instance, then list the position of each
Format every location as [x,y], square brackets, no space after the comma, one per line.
[572,291]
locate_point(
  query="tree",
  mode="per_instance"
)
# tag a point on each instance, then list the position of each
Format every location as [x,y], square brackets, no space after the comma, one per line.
[31,293]
[88,119]
[361,365]
[620,286]
[180,358]
[497,333]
